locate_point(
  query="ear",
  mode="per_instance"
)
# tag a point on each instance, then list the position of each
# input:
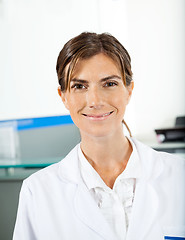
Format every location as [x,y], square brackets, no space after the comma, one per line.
[63,97]
[130,89]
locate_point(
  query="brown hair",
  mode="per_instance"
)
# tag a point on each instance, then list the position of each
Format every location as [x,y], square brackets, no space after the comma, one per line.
[87,45]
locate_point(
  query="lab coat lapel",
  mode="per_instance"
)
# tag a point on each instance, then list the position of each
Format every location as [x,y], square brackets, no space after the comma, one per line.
[89,213]
[144,212]
[146,201]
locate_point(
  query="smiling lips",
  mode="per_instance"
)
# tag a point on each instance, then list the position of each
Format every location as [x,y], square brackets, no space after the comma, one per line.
[98,117]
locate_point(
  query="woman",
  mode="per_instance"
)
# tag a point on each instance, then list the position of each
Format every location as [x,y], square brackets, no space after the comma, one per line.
[109,186]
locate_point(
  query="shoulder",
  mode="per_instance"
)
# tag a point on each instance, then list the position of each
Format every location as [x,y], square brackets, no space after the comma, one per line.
[54,173]
[155,163]
[145,150]
[44,178]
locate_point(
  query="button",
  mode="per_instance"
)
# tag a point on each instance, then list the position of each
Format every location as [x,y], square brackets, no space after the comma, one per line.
[99,204]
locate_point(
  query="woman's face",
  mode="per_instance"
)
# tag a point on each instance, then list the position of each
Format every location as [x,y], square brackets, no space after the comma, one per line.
[97,98]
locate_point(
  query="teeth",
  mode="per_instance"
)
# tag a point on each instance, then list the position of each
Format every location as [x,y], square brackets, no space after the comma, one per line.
[104,115]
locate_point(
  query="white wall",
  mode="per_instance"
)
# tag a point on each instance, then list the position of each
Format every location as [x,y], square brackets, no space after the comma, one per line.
[156,32]
[33,33]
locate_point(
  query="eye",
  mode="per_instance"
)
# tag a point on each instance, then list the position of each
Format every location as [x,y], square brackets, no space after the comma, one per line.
[110,84]
[78,86]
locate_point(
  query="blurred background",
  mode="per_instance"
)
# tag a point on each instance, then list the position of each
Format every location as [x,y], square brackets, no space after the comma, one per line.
[31,35]
[33,32]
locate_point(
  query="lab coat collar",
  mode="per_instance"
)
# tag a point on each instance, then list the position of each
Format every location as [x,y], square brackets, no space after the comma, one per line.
[92,178]
[152,165]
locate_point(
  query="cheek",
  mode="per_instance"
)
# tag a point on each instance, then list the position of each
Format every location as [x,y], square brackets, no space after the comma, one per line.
[120,99]
[74,104]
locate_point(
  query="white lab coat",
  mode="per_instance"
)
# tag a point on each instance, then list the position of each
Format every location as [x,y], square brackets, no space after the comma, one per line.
[56,205]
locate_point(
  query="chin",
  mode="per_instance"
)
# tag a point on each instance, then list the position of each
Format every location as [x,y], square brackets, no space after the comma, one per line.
[96,133]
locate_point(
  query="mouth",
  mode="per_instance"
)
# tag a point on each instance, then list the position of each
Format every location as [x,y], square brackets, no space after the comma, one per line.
[99,116]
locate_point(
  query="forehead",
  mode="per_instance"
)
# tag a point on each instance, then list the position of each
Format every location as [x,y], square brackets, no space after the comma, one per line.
[97,65]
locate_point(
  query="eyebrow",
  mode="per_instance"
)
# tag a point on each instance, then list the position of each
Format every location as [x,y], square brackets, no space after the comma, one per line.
[111,77]
[102,80]
[78,80]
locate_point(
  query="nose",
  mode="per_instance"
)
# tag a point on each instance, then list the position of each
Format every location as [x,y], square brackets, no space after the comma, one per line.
[94,98]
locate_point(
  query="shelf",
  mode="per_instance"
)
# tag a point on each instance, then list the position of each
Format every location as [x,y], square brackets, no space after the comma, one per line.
[28,162]
[19,169]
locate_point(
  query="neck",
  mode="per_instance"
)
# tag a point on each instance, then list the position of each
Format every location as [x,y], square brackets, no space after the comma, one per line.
[108,155]
[106,152]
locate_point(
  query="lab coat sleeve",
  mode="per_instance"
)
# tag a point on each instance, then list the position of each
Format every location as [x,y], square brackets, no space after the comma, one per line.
[25,226]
